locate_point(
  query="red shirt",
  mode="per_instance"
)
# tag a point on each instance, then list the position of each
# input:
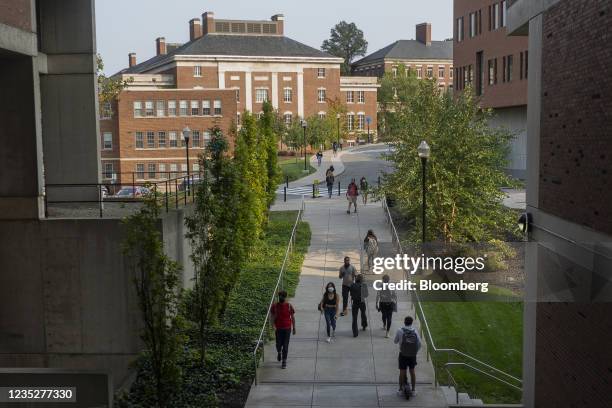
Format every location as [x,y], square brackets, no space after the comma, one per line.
[283,313]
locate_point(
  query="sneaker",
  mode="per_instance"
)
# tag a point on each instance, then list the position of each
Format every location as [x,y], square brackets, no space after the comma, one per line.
[284,365]
[342,314]
[278,356]
[328,340]
[400,392]
[363,328]
[348,211]
[413,393]
[387,335]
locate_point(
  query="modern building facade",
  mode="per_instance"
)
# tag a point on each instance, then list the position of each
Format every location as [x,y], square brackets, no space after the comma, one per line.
[429,59]
[226,68]
[496,67]
[567,332]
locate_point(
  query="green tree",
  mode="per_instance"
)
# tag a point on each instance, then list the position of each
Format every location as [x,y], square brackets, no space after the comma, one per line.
[295,135]
[345,41]
[157,286]
[318,132]
[337,126]
[465,170]
[109,88]
[396,91]
[269,139]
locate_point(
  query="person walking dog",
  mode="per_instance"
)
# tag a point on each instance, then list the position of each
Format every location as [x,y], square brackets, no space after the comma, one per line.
[283,316]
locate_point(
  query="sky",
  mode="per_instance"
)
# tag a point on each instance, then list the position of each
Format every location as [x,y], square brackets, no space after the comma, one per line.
[125,26]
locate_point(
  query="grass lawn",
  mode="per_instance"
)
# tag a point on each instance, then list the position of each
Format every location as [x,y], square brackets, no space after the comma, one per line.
[294,170]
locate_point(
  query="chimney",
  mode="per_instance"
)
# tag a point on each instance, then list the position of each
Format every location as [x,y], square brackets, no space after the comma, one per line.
[208,22]
[160,45]
[195,29]
[132,58]
[423,33]
[280,23]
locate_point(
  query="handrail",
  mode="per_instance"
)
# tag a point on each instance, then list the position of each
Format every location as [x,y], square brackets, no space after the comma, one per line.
[279,283]
[427,331]
[456,384]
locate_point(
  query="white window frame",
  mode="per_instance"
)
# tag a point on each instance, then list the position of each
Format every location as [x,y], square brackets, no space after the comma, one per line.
[161,139]
[194,106]
[430,72]
[161,167]
[140,171]
[441,68]
[321,72]
[148,139]
[160,108]
[195,139]
[197,71]
[107,110]
[350,97]
[288,95]
[173,169]
[153,171]
[360,121]
[206,137]
[261,95]
[107,142]
[172,140]
[322,115]
[288,118]
[139,139]
[109,170]
[419,72]
[350,121]
[321,95]
[171,108]
[217,107]
[183,108]
[206,107]
[138,109]
[149,109]
[360,96]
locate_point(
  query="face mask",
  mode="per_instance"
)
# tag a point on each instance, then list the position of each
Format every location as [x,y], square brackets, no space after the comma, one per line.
[330,289]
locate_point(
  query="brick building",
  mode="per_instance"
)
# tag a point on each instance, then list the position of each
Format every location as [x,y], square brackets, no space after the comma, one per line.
[495,65]
[227,67]
[567,359]
[429,59]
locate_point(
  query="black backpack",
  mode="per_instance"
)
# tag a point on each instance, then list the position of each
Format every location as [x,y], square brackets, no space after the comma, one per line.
[409,345]
[356,292]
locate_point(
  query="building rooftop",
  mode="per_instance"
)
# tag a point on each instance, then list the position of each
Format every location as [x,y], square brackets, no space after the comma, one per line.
[411,49]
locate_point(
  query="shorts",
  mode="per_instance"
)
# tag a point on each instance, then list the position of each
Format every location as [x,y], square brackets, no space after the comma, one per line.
[352,199]
[406,362]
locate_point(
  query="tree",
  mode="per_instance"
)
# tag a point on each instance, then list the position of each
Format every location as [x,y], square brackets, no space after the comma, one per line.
[318,131]
[396,91]
[109,88]
[345,41]
[269,139]
[465,170]
[336,128]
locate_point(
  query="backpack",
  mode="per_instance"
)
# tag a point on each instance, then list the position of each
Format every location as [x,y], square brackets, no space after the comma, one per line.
[352,189]
[356,292]
[409,345]
[329,179]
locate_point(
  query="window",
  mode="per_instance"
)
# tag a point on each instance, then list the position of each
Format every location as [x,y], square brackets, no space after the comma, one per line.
[137,109]
[140,171]
[196,167]
[173,168]
[394,72]
[195,108]
[479,73]
[360,96]
[321,95]
[350,121]
[496,16]
[429,72]
[526,63]
[440,71]
[237,95]
[107,110]
[261,95]
[492,65]
[238,119]
[161,139]
[419,72]
[322,115]
[183,108]
[459,35]
[184,167]
[217,106]
[490,17]
[288,118]
[139,140]
[206,137]
[470,74]
[503,13]
[150,140]
[195,138]
[472,25]
[107,141]
[171,108]
[197,71]
[172,138]
[151,167]
[161,108]
[509,66]
[479,20]
[161,168]
[360,121]
[149,108]
[320,72]
[521,66]
[108,170]
[450,73]
[206,108]
[350,97]
[287,95]
[182,139]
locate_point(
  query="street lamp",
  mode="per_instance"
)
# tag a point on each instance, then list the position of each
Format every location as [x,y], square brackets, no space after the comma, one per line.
[424,151]
[304,124]
[338,121]
[368,120]
[186,134]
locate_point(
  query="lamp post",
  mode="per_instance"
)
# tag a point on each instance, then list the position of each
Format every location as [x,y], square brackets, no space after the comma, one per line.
[368,120]
[338,123]
[304,124]
[186,134]
[424,152]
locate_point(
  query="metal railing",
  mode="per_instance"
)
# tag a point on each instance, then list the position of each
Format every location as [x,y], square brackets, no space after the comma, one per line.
[479,371]
[280,284]
[426,332]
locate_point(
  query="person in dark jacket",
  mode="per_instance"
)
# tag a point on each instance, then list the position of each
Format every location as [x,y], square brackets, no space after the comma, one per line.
[329,180]
[359,294]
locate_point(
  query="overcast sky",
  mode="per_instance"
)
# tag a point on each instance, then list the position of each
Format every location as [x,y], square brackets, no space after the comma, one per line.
[125,26]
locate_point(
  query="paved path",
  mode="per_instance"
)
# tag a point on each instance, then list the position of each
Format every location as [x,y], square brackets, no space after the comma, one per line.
[351,372]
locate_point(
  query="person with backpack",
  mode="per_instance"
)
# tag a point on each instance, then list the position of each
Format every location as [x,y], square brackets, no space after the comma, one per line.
[329,307]
[335,148]
[386,303]
[347,273]
[283,318]
[363,186]
[370,246]
[329,180]
[410,343]
[351,195]
[319,157]
[359,294]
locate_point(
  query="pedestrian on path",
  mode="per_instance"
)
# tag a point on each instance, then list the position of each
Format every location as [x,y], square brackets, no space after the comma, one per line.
[329,307]
[319,157]
[347,274]
[363,186]
[283,316]
[329,180]
[386,303]
[335,148]
[359,294]
[409,345]
[351,195]
[370,246]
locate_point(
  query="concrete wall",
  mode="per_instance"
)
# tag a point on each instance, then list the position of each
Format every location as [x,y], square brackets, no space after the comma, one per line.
[514,119]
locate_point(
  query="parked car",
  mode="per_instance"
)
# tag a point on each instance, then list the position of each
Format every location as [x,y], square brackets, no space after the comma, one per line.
[193,182]
[129,192]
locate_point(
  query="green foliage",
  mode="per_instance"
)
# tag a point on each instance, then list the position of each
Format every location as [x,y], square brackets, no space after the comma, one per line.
[157,286]
[395,92]
[108,87]
[294,168]
[345,41]
[269,140]
[465,170]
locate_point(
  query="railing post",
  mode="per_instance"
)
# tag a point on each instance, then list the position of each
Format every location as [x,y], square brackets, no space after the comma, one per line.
[166,195]
[285,193]
[313,190]
[46,203]
[338,189]
[187,189]
[287,181]
[134,184]
[176,192]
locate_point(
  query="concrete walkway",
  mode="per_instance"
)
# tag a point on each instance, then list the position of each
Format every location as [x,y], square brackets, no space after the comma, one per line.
[328,160]
[351,372]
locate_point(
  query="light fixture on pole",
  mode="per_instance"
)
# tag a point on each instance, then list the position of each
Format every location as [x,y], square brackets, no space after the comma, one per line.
[338,122]
[304,124]
[368,120]
[186,135]
[424,152]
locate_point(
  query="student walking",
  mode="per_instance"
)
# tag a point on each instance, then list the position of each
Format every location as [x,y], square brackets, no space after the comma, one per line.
[329,180]
[351,195]
[386,303]
[409,345]
[319,157]
[363,186]
[329,307]
[359,294]
[283,316]
[335,148]
[370,246]
[347,274]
